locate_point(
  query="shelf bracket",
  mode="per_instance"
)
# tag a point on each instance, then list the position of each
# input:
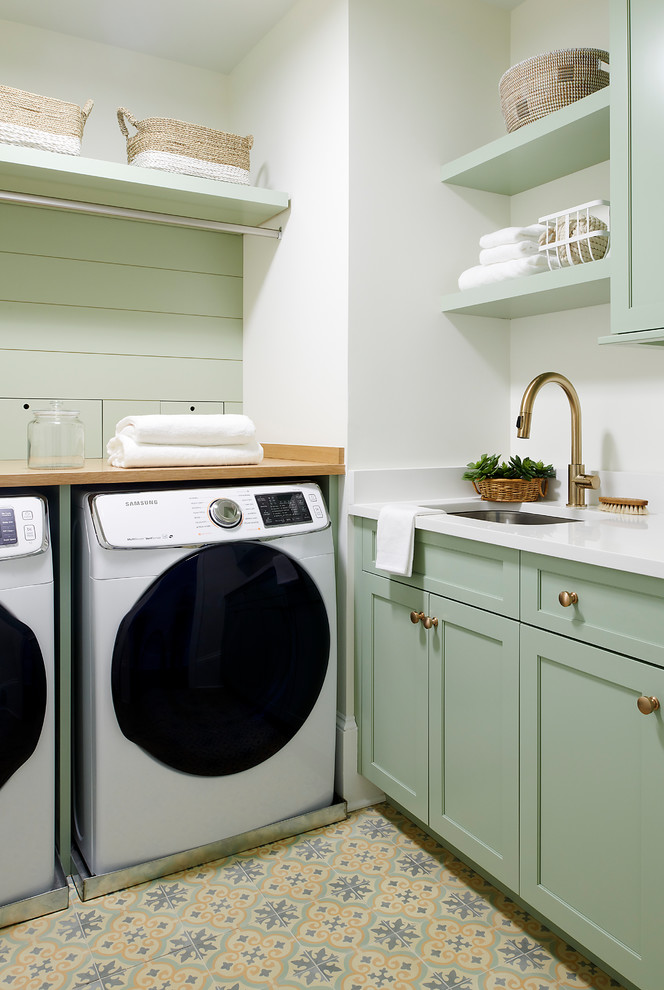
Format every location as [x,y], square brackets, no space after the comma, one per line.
[101,210]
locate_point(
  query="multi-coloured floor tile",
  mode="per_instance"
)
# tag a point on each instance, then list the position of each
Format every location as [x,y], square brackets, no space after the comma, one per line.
[369,903]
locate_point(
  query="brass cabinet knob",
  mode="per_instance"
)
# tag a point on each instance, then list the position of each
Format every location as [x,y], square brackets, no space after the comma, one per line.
[647,705]
[416,616]
[567,598]
[428,622]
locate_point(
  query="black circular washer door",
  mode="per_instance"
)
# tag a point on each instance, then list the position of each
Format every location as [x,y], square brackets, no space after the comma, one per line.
[221,660]
[22,694]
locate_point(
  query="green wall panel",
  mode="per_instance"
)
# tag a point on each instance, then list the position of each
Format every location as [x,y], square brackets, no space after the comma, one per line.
[57,234]
[119,376]
[29,326]
[119,311]
[63,282]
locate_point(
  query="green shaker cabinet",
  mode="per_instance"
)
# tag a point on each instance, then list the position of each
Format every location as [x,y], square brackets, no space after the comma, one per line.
[637,163]
[592,800]
[395,690]
[520,743]
[439,713]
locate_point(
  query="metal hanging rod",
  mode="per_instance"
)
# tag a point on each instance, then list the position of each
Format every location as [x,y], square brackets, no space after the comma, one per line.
[98,209]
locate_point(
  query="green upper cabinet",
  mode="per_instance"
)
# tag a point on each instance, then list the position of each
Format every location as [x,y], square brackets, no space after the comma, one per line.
[637,162]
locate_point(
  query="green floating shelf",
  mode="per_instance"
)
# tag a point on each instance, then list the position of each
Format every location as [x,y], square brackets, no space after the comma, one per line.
[87,180]
[635,337]
[533,295]
[566,141]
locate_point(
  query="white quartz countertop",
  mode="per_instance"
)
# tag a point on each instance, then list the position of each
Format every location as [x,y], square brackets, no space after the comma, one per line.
[633,543]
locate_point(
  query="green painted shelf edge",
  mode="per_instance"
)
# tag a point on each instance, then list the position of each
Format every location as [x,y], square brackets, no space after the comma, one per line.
[566,141]
[532,295]
[635,337]
[88,180]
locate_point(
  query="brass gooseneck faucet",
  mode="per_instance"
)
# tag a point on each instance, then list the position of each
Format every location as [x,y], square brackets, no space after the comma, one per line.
[577,479]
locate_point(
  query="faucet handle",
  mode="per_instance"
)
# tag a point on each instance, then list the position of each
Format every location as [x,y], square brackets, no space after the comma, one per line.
[587,481]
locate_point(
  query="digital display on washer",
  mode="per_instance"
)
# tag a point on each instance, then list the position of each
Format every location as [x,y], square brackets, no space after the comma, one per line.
[281,508]
[8,535]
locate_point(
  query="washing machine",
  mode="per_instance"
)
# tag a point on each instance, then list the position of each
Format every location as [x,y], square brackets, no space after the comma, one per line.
[205,670]
[27,720]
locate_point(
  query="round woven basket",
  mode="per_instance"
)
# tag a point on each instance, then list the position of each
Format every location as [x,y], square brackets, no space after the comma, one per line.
[537,86]
[511,489]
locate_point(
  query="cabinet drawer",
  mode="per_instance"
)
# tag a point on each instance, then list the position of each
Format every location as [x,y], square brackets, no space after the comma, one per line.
[466,571]
[615,610]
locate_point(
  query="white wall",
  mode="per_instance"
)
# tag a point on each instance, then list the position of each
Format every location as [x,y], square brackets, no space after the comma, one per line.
[75,70]
[424,90]
[291,92]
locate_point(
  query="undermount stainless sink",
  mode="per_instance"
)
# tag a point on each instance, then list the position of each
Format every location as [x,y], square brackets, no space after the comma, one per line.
[514,516]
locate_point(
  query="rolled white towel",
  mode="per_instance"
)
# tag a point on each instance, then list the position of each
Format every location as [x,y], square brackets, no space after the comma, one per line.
[488,274]
[220,429]
[509,235]
[509,252]
[123,451]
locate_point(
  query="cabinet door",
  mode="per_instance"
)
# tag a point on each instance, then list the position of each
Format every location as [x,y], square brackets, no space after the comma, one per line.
[637,162]
[592,800]
[394,674]
[474,720]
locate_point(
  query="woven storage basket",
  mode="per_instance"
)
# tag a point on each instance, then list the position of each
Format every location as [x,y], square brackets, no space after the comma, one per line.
[511,489]
[175,146]
[32,121]
[540,85]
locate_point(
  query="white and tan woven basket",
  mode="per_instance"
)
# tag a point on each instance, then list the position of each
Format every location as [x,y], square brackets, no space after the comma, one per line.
[191,149]
[32,121]
[537,86]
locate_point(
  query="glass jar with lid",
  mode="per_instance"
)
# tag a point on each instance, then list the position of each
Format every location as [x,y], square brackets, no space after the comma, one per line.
[56,438]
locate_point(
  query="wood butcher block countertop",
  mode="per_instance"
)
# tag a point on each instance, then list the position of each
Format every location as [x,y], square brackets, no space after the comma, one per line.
[280,461]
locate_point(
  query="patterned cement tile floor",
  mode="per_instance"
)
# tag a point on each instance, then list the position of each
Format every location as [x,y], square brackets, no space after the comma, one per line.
[370,903]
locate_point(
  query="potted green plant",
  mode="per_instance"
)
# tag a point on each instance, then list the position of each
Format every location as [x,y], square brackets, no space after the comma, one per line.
[515,480]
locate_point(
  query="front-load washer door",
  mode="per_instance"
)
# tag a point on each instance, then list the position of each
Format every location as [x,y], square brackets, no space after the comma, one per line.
[221,660]
[22,694]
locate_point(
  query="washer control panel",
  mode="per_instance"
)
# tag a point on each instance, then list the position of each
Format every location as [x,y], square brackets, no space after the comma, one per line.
[190,517]
[22,526]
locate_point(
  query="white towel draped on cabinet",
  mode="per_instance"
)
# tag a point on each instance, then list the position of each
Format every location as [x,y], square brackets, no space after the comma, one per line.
[395,536]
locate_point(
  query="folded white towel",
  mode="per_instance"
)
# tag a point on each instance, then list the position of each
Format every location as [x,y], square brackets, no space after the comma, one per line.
[124,452]
[488,274]
[395,536]
[508,235]
[509,252]
[218,430]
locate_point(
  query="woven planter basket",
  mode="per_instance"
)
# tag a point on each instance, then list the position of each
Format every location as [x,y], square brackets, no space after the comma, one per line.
[511,489]
[32,121]
[540,85]
[191,149]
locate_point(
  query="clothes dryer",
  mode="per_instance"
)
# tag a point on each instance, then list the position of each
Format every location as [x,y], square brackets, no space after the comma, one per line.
[206,666]
[27,734]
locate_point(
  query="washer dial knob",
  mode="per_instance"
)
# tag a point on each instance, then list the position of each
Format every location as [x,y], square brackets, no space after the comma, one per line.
[226,513]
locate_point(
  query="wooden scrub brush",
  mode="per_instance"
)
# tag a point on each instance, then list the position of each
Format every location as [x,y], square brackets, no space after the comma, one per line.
[625,506]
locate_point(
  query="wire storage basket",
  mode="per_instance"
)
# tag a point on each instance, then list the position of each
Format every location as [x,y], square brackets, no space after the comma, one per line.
[577,235]
[29,120]
[191,149]
[537,86]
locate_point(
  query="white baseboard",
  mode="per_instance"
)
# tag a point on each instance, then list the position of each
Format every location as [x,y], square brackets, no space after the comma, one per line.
[356,790]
